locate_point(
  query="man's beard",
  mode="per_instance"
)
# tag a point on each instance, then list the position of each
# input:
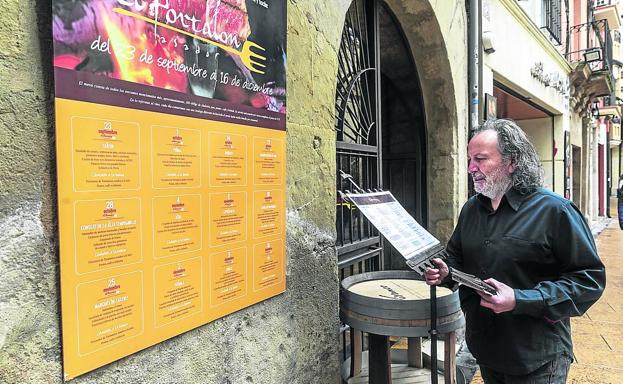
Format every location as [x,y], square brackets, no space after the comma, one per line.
[496,183]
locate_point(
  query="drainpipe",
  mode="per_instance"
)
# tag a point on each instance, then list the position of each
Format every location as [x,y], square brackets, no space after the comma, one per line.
[475,64]
[568,32]
[474,70]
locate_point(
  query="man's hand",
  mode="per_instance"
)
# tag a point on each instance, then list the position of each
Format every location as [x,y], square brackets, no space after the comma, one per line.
[434,276]
[503,301]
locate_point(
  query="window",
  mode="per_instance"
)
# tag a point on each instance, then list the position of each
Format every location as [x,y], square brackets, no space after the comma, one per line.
[601,3]
[551,19]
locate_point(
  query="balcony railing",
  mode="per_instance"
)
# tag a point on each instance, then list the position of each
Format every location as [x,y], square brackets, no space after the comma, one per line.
[590,43]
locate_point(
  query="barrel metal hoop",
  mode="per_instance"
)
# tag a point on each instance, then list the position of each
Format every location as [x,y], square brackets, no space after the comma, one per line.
[394,330]
[396,317]
[418,310]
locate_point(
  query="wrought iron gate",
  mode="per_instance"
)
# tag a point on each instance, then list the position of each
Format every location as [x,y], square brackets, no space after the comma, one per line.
[358,141]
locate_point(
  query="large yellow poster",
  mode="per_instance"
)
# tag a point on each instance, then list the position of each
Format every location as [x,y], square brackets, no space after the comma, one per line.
[171,171]
[150,247]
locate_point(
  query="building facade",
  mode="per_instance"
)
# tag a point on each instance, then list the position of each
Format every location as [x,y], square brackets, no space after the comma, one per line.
[554,67]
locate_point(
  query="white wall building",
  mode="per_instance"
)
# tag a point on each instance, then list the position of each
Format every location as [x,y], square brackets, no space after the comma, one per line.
[545,63]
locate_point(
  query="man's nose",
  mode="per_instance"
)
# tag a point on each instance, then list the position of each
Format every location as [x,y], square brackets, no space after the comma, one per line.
[471,167]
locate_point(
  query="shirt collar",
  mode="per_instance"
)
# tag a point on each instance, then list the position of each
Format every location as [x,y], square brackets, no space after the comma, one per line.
[512,196]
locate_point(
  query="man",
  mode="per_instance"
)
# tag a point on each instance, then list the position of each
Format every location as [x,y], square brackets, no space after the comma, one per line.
[534,248]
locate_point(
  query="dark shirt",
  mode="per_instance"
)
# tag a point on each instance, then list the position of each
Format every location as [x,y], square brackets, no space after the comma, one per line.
[539,245]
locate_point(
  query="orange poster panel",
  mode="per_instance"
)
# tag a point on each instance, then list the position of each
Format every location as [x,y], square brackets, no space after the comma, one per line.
[177,291]
[267,213]
[162,144]
[107,234]
[151,249]
[176,157]
[228,218]
[176,224]
[228,159]
[267,264]
[229,276]
[105,154]
[268,159]
[110,311]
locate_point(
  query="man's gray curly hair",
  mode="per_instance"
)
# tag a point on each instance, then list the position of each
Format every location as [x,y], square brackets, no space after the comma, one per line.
[516,148]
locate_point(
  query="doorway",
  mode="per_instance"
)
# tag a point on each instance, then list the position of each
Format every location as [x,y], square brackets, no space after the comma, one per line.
[536,122]
[576,161]
[380,132]
[380,138]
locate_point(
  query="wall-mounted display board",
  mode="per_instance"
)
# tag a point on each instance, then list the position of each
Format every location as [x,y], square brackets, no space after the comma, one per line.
[170,130]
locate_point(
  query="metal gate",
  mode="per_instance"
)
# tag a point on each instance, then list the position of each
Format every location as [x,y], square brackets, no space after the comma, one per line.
[358,140]
[360,103]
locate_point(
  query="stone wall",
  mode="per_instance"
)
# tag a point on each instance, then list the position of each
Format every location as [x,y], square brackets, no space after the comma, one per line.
[29,300]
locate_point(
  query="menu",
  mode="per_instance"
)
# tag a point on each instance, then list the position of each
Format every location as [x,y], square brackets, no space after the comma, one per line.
[394,222]
[171,168]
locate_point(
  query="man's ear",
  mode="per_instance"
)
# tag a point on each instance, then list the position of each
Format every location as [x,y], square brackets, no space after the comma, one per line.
[511,167]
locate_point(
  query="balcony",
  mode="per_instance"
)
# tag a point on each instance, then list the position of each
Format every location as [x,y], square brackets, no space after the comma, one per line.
[611,108]
[589,51]
[615,134]
[609,10]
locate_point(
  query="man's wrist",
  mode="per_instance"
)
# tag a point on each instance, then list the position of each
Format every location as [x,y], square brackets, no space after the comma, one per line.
[528,302]
[448,282]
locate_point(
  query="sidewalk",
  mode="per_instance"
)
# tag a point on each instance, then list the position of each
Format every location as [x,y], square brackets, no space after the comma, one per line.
[598,335]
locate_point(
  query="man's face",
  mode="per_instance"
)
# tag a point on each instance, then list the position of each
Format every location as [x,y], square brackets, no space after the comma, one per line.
[491,175]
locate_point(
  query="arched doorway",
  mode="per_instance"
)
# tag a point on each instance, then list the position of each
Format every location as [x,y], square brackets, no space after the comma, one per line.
[380,138]
[380,131]
[398,127]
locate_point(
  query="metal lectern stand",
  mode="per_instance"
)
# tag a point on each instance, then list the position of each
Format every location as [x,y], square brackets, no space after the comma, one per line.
[433,334]
[433,303]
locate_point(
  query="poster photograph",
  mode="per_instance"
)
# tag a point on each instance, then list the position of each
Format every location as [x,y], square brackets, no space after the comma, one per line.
[231,51]
[170,132]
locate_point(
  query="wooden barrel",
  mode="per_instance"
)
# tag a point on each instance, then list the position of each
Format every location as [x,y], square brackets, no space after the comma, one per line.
[396,303]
